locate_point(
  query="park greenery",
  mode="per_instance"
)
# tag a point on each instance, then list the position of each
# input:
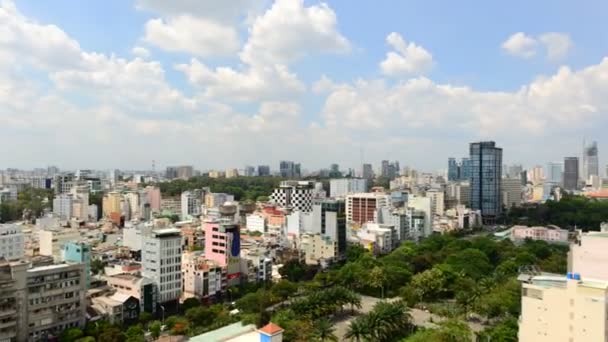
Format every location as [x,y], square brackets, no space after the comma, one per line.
[570,212]
[30,204]
[243,188]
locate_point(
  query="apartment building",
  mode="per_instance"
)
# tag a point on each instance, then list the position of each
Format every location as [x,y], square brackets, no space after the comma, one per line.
[201,278]
[136,286]
[52,241]
[11,242]
[361,207]
[161,261]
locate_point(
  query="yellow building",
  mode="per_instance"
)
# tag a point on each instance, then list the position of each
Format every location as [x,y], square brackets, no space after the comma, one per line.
[111,203]
[231,173]
[563,308]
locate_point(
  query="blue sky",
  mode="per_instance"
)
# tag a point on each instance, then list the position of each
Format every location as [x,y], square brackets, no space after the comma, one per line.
[529,75]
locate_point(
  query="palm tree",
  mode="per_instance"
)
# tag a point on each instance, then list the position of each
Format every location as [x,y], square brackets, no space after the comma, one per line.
[358,330]
[324,331]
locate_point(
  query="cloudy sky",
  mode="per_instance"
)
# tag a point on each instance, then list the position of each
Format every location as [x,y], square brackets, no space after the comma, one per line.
[119,83]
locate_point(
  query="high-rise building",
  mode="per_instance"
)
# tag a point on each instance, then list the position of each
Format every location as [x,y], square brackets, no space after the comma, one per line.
[332,223]
[63,205]
[231,173]
[111,203]
[182,172]
[367,171]
[511,190]
[515,171]
[297,195]
[192,202]
[11,242]
[343,186]
[223,245]
[590,161]
[161,261]
[452,169]
[465,169]
[289,169]
[536,175]
[571,173]
[437,198]
[361,208]
[486,167]
[554,173]
[249,171]
[263,170]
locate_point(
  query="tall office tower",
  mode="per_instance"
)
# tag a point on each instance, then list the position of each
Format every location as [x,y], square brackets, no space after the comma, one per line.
[384,169]
[334,171]
[343,186]
[161,259]
[263,170]
[486,167]
[452,169]
[289,169]
[536,175]
[171,172]
[465,169]
[185,172]
[367,172]
[554,173]
[330,217]
[249,171]
[571,173]
[590,161]
[511,189]
[515,171]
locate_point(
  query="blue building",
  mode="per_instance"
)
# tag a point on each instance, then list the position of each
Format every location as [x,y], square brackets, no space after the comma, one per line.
[453,169]
[79,252]
[486,174]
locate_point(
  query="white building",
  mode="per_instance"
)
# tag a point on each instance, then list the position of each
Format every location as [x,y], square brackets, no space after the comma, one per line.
[132,200]
[52,241]
[361,208]
[381,234]
[11,242]
[422,204]
[256,223]
[161,262]
[132,236]
[297,195]
[437,198]
[201,278]
[191,204]
[318,248]
[345,186]
[63,205]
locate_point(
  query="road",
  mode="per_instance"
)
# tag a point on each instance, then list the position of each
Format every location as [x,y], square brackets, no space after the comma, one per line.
[420,318]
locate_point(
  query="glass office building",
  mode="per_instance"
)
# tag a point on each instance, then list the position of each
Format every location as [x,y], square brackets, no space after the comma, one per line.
[485,176]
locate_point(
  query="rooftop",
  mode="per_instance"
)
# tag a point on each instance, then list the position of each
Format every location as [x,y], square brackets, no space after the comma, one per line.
[222,334]
[271,329]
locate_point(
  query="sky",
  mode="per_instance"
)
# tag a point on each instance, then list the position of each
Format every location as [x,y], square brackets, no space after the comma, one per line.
[217,84]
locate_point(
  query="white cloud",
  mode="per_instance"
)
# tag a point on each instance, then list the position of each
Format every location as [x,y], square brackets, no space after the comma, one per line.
[557,44]
[140,52]
[223,11]
[521,45]
[254,84]
[198,36]
[542,108]
[407,59]
[289,30]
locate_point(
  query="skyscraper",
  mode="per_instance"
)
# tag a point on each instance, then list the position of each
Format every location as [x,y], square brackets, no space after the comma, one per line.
[367,172]
[554,173]
[289,169]
[263,170]
[590,161]
[465,169]
[452,169]
[486,170]
[571,173]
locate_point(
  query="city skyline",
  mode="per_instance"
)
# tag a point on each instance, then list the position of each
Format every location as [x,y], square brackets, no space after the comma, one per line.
[118,84]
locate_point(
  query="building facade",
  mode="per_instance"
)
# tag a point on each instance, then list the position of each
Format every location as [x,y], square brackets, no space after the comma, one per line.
[161,262]
[486,175]
[12,243]
[345,186]
[361,208]
[297,195]
[571,177]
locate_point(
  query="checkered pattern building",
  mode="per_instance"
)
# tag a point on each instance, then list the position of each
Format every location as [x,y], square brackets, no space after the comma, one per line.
[295,195]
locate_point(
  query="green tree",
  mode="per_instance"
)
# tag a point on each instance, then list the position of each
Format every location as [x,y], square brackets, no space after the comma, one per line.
[284,289]
[470,262]
[324,331]
[377,279]
[111,334]
[190,303]
[155,328]
[135,333]
[144,318]
[358,330]
[71,335]
[293,270]
[86,339]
